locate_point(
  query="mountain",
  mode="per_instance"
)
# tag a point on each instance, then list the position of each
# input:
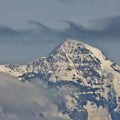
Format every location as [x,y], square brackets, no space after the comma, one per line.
[86,83]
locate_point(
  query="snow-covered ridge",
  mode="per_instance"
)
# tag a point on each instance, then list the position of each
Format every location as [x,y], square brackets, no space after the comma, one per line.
[64,51]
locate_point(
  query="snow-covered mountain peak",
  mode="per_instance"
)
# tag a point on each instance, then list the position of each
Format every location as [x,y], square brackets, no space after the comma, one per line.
[74,47]
[71,54]
[87,81]
[71,60]
[70,44]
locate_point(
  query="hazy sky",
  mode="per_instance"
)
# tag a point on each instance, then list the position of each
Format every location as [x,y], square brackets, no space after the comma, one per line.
[51,12]
[31,28]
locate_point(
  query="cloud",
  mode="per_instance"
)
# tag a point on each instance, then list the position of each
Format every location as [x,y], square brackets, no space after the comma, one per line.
[7,31]
[105,29]
[25,101]
[39,33]
[110,27]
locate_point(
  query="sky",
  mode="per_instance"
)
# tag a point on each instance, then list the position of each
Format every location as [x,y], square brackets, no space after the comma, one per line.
[30,29]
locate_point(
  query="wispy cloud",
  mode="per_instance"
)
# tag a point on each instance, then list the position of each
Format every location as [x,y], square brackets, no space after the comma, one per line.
[7,31]
[104,29]
[39,33]
[110,27]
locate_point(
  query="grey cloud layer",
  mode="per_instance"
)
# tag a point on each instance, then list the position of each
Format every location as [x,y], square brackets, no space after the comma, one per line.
[108,28]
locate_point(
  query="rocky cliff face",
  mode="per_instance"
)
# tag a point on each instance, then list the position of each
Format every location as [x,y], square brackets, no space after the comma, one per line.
[86,83]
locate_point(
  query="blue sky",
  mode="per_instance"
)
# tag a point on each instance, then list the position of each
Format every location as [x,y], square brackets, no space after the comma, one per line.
[29,29]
